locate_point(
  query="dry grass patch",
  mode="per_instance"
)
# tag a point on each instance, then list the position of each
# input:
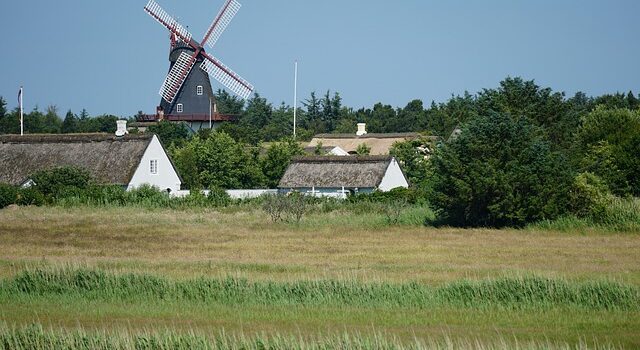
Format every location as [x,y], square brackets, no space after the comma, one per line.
[244,243]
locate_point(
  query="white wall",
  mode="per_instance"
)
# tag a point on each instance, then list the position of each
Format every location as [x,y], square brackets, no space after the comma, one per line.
[393,178]
[166,176]
[233,194]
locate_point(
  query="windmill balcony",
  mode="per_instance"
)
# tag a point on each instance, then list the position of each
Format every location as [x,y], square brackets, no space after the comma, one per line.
[216,117]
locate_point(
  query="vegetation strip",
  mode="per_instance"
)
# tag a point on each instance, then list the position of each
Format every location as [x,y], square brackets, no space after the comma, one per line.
[37,337]
[504,292]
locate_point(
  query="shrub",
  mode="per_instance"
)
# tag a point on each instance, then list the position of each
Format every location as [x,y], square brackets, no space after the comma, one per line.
[275,206]
[589,196]
[611,137]
[218,197]
[59,181]
[148,196]
[8,195]
[499,172]
[30,196]
[287,208]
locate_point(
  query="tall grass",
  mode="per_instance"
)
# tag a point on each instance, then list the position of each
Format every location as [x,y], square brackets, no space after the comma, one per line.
[620,215]
[524,292]
[38,338]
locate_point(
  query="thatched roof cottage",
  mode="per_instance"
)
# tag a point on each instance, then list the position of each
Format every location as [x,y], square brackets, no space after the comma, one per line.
[129,160]
[354,174]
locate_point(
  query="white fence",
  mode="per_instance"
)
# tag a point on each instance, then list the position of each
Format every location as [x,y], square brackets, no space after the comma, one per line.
[248,194]
[234,194]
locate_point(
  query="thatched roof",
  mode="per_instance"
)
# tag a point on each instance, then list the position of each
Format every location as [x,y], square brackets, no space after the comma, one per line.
[335,172]
[108,159]
[379,143]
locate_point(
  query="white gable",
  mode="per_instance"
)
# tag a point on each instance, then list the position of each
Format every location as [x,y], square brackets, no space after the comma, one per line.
[156,169]
[393,177]
[337,151]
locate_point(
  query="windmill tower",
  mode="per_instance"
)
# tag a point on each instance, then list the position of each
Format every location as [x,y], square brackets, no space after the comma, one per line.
[186,92]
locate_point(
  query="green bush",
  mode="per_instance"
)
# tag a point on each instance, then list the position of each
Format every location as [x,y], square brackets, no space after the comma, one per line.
[148,196]
[60,181]
[30,196]
[589,196]
[8,195]
[499,172]
[219,197]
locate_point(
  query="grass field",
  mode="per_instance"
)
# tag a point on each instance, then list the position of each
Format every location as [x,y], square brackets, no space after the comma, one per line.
[334,274]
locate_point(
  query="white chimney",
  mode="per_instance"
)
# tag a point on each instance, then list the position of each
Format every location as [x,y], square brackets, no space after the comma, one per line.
[362,129]
[122,128]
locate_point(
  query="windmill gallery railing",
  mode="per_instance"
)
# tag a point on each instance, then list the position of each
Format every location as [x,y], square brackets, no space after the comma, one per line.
[216,117]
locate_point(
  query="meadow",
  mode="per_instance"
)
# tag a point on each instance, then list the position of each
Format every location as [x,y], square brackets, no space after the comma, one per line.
[134,277]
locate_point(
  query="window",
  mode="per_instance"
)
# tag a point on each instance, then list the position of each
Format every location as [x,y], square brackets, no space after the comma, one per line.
[180,108]
[199,90]
[153,167]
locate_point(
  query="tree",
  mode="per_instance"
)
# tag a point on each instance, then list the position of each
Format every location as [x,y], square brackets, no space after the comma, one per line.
[541,106]
[218,161]
[612,136]
[313,120]
[227,103]
[70,123]
[499,172]
[258,112]
[170,133]
[409,118]
[277,159]
[280,125]
[51,123]
[412,156]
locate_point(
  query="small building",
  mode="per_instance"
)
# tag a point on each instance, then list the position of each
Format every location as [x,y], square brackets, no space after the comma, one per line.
[335,176]
[128,160]
[379,144]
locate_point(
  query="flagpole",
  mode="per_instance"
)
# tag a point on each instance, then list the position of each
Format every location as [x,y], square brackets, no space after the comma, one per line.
[21,114]
[295,98]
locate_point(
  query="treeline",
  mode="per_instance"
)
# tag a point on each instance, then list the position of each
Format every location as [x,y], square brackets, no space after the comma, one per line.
[525,153]
[49,121]
[560,115]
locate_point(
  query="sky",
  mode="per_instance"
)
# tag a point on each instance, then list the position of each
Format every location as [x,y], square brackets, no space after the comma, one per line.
[110,57]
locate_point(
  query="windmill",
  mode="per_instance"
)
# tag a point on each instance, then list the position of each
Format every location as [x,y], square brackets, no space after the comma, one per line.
[186,92]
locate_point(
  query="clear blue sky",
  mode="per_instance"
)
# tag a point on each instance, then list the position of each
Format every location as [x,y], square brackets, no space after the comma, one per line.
[111,57]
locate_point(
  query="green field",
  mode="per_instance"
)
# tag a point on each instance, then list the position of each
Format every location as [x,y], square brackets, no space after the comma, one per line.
[128,277]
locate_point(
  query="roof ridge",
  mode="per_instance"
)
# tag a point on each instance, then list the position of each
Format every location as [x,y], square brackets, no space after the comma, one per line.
[72,138]
[341,159]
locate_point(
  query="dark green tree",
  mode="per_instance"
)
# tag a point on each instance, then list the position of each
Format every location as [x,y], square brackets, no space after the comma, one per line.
[277,159]
[51,123]
[227,103]
[70,123]
[499,172]
[313,116]
[170,133]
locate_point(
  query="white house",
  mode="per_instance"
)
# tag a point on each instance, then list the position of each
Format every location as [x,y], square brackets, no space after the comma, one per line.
[352,174]
[127,160]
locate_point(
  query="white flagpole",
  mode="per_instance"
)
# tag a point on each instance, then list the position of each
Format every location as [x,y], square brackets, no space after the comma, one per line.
[295,98]
[21,114]
[210,123]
